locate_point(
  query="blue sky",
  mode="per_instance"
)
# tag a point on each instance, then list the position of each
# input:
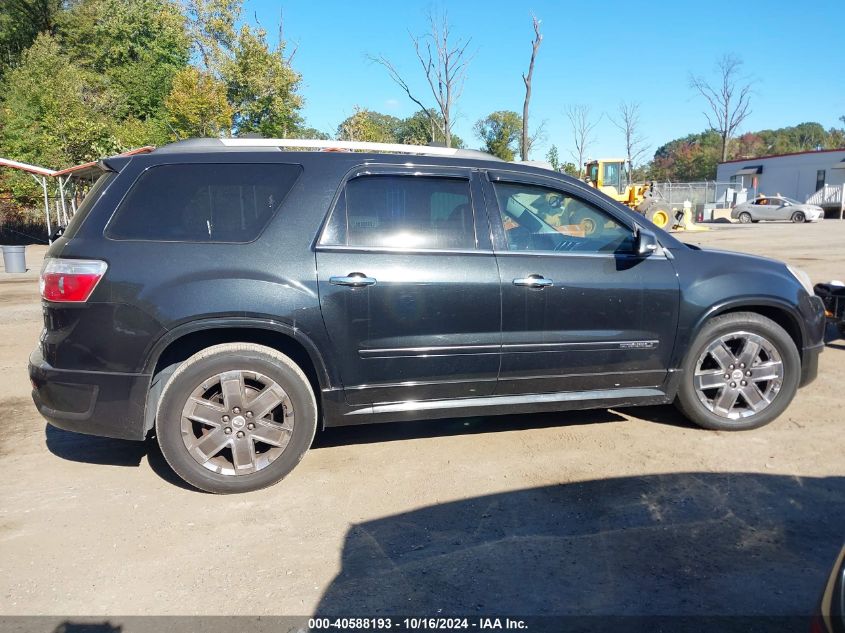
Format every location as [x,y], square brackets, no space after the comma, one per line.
[626,50]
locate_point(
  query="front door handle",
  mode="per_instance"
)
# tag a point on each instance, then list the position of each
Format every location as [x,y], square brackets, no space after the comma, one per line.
[354,280]
[533,281]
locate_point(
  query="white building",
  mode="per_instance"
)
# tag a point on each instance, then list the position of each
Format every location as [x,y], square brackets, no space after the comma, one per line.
[798,175]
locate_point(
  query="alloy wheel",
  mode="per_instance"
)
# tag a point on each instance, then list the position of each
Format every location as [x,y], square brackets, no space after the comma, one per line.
[237,422]
[738,375]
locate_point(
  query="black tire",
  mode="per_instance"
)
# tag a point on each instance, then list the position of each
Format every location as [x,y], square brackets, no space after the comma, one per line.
[688,400]
[745,218]
[798,217]
[236,357]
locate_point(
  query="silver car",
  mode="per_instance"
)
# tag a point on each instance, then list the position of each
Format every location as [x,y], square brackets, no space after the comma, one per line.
[776,208]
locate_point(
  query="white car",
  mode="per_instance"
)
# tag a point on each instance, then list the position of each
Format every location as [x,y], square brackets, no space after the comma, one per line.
[776,208]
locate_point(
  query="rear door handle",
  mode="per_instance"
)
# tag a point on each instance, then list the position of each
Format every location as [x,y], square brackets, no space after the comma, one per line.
[533,281]
[354,280]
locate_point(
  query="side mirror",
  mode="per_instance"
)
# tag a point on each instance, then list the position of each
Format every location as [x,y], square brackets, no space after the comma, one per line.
[645,242]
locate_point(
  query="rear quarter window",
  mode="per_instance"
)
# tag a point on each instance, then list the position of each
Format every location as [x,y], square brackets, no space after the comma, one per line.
[94,194]
[204,202]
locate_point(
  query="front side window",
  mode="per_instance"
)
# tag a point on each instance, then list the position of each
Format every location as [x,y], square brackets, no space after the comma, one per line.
[403,212]
[202,202]
[541,219]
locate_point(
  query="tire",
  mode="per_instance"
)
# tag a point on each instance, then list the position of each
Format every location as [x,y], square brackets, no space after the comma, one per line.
[798,217]
[660,216]
[700,405]
[207,438]
[745,218]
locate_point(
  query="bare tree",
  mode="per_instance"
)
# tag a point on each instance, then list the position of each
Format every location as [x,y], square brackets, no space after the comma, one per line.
[582,133]
[728,100]
[526,141]
[444,61]
[629,124]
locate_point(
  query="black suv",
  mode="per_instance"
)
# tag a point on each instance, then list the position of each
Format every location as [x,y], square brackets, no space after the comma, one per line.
[230,295]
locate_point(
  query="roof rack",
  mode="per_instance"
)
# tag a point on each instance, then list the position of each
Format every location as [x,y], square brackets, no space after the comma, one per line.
[267,143]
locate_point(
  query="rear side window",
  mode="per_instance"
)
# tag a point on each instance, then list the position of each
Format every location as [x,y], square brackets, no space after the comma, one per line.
[95,193]
[206,202]
[403,212]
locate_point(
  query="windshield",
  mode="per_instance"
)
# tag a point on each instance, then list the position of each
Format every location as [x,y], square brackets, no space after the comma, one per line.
[791,200]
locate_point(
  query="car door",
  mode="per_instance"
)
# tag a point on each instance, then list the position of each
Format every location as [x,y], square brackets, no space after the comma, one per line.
[779,209]
[409,287]
[580,310]
[767,210]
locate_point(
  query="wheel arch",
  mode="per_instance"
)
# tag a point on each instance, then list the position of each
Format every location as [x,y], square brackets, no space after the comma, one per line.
[778,311]
[186,340]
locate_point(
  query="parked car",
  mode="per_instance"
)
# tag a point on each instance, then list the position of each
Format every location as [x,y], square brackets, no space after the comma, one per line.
[776,208]
[830,615]
[230,298]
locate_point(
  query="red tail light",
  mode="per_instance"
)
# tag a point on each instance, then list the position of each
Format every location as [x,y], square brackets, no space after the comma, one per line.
[70,280]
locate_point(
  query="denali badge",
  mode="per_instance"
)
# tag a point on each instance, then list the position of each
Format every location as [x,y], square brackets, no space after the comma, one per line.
[636,345]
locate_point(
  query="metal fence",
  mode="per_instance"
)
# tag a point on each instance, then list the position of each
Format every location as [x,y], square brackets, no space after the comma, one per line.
[706,192]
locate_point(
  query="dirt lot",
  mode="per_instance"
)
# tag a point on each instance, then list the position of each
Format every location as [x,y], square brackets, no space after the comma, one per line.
[623,512]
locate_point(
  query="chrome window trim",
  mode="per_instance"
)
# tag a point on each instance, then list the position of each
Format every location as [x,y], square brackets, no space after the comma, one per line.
[407,170]
[400,250]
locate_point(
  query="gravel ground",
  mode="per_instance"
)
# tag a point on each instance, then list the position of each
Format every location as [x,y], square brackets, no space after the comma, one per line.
[599,512]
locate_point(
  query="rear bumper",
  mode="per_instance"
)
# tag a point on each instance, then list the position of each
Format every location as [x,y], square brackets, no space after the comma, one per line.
[96,403]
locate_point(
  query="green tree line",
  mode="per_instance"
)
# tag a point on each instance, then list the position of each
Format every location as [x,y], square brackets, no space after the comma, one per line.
[80,79]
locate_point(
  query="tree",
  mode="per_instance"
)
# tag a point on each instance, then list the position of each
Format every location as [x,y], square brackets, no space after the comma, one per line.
[20,23]
[444,61]
[139,46]
[728,100]
[628,124]
[369,126]
[197,105]
[570,169]
[553,157]
[211,25]
[261,87]
[525,140]
[687,159]
[500,133]
[424,128]
[582,133]
[54,113]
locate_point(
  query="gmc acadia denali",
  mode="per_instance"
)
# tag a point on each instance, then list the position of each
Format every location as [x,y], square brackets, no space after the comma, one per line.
[229,296]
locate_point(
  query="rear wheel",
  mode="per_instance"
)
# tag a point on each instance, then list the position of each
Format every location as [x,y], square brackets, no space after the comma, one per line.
[741,372]
[745,217]
[236,417]
[798,217]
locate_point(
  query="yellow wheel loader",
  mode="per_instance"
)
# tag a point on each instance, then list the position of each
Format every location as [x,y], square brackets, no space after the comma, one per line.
[610,176]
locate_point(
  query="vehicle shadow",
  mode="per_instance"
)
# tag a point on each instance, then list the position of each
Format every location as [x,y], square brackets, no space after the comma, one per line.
[680,544]
[447,427]
[78,447]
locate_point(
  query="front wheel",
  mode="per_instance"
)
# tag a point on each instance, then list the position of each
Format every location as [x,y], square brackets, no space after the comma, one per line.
[236,417]
[798,217]
[741,372]
[745,218]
